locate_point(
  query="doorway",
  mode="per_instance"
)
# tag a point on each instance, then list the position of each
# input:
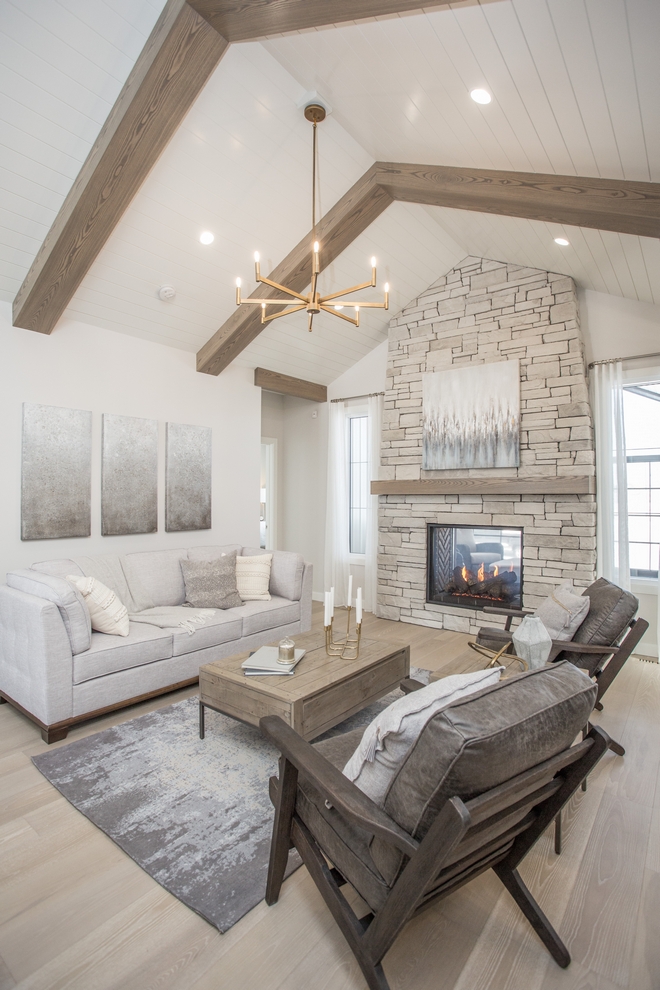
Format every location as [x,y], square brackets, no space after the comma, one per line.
[268,495]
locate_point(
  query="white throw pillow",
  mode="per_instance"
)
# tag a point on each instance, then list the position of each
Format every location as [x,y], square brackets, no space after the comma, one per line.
[253,577]
[392,734]
[107,613]
[563,612]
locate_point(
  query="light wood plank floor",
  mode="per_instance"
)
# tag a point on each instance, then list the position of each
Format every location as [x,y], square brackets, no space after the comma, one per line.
[77,914]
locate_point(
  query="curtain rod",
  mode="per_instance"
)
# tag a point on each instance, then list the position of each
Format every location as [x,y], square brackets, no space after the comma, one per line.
[632,357]
[366,395]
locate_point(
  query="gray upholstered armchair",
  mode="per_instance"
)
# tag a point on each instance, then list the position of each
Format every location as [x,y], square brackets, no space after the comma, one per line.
[486,776]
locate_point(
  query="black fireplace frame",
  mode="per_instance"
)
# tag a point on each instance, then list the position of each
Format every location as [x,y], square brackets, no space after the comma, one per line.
[471,602]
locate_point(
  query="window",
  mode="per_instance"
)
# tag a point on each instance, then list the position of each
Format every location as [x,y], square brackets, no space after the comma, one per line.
[642,430]
[358,482]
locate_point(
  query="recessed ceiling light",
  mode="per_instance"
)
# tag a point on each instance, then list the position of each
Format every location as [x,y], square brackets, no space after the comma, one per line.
[206,237]
[481,96]
[562,241]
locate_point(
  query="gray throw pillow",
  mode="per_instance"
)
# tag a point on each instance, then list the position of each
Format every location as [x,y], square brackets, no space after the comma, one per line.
[211,583]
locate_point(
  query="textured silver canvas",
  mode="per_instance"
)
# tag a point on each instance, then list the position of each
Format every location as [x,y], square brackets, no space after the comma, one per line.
[56,474]
[187,477]
[129,475]
[472,417]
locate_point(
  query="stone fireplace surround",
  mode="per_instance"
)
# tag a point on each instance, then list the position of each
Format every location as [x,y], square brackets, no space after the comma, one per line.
[485,311]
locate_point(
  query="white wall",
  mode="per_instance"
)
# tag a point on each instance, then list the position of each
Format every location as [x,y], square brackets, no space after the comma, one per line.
[367,375]
[615,327]
[84,367]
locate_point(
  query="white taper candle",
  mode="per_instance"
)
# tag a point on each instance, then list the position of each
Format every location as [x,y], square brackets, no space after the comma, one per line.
[350,590]
[358,606]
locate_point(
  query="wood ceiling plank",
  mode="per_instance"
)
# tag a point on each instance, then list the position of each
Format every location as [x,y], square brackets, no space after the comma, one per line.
[348,218]
[241,20]
[272,381]
[178,58]
[604,204]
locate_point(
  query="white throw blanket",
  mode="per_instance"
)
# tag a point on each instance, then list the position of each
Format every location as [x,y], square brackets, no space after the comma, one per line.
[110,572]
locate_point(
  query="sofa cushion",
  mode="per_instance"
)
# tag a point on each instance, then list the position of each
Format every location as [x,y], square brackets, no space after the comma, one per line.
[212,553]
[158,574]
[224,627]
[611,611]
[258,616]
[212,583]
[481,741]
[108,654]
[68,599]
[58,568]
[286,572]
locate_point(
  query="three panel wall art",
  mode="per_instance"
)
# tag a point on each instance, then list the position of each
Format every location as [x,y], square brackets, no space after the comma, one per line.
[56,477]
[471,417]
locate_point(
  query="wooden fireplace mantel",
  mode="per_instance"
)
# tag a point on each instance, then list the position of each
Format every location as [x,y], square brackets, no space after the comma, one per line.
[567,485]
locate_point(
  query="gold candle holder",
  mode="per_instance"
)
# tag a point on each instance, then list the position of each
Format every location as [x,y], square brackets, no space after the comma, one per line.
[347,648]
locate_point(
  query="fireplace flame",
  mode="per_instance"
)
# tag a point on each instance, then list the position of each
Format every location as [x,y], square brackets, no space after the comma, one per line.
[511,568]
[480,573]
[464,572]
[496,570]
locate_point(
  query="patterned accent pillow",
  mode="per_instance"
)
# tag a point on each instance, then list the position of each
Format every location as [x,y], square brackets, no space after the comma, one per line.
[253,577]
[211,583]
[107,613]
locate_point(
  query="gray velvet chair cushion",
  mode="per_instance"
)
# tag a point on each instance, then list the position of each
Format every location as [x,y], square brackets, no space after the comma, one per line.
[212,583]
[610,612]
[71,605]
[477,743]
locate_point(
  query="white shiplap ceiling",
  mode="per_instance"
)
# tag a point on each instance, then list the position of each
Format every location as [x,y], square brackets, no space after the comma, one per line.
[574,86]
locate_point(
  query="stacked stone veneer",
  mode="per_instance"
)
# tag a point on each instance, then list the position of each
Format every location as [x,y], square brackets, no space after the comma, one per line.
[484,311]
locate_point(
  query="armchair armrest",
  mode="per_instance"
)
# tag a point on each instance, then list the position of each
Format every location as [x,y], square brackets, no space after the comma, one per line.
[571,647]
[519,613]
[338,790]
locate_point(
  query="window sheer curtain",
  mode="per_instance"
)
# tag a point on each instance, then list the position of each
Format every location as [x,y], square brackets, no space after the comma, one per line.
[611,474]
[336,524]
[371,552]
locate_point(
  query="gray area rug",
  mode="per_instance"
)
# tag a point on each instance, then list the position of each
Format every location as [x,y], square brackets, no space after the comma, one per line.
[194,813]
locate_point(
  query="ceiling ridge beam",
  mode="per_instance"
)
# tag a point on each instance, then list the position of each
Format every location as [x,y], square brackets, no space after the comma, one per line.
[605,204]
[620,205]
[179,56]
[238,20]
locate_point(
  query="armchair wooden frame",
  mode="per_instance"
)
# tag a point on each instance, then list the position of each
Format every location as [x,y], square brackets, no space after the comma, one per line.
[613,656]
[494,830]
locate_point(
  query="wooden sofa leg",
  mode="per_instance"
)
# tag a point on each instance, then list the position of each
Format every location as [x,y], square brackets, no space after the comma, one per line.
[50,735]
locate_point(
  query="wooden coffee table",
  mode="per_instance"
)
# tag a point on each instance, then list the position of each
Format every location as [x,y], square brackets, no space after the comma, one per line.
[322,692]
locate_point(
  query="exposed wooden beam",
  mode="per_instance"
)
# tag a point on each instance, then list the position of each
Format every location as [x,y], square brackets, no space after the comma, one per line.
[248,20]
[286,385]
[605,204]
[352,214]
[177,60]
[565,485]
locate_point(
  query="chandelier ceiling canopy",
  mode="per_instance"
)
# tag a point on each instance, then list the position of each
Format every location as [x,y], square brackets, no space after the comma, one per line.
[313,302]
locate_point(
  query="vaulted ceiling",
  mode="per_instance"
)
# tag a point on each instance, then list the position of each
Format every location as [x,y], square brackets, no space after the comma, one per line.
[574,86]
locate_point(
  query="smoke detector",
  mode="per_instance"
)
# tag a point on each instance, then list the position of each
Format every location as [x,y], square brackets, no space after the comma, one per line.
[166,292]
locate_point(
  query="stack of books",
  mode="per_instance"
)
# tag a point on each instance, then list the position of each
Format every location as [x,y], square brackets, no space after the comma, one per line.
[264,661]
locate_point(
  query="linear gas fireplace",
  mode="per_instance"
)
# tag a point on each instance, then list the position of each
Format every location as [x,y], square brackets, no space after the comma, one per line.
[473,566]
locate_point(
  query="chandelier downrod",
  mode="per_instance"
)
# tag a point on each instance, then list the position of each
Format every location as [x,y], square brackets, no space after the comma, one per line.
[312,302]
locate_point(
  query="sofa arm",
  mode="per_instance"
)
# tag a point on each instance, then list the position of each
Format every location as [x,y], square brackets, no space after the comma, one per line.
[36,663]
[306,598]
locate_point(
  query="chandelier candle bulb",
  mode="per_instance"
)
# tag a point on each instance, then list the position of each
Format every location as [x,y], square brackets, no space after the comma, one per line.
[387,295]
[238,292]
[257,266]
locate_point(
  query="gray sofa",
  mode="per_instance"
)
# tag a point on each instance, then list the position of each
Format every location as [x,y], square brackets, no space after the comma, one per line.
[58,672]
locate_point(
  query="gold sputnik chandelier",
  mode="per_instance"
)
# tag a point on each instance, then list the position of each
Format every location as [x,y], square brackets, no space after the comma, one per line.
[313,302]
